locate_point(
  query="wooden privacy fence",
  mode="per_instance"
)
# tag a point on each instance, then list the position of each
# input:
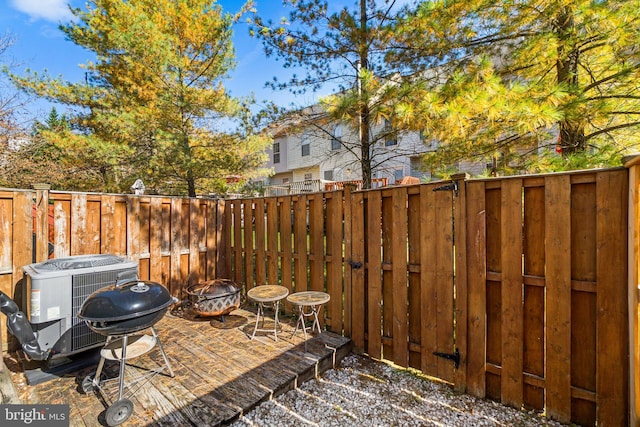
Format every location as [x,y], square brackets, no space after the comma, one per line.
[519,289]
[514,289]
[174,240]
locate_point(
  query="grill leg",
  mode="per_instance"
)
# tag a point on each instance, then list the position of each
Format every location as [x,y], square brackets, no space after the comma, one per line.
[164,355]
[123,362]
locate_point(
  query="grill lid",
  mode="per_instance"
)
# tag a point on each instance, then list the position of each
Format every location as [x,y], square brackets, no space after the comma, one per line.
[125,301]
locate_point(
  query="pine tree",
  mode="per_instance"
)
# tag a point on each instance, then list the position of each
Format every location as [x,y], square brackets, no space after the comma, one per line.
[496,78]
[153,105]
[346,49]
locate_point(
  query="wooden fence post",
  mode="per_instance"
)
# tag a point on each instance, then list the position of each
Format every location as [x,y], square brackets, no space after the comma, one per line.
[633,164]
[42,224]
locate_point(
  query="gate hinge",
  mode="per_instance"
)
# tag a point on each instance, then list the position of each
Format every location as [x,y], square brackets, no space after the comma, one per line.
[448,187]
[455,357]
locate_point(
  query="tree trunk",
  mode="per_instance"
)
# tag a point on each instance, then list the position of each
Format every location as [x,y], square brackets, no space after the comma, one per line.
[365,122]
[571,138]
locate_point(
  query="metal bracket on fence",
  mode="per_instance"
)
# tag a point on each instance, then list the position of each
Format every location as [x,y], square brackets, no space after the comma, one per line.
[448,187]
[354,264]
[455,357]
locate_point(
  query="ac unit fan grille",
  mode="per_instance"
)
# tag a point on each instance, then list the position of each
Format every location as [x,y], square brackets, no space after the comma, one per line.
[83,286]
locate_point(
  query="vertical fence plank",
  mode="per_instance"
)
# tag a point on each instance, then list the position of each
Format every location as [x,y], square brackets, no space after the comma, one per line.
[612,373]
[534,295]
[195,234]
[584,255]
[300,231]
[133,226]
[316,242]
[260,238]
[42,222]
[413,300]
[155,240]
[212,241]
[357,263]
[272,241]
[334,264]
[107,224]
[62,228]
[374,274]
[399,271]
[428,301]
[286,246]
[176,285]
[476,283]
[443,257]
[249,266]
[119,246]
[558,284]
[387,276]
[223,235]
[512,309]
[460,283]
[6,231]
[238,275]
[347,253]
[78,223]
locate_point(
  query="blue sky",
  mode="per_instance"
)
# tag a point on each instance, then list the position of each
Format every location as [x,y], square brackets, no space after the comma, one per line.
[39,45]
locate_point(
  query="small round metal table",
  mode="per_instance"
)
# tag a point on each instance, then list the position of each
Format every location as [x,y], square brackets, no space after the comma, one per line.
[270,295]
[309,303]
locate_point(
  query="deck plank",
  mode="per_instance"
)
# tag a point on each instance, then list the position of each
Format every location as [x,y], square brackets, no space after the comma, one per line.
[220,373]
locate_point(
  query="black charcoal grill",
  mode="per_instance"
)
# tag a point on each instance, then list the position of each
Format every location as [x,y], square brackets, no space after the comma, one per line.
[121,312]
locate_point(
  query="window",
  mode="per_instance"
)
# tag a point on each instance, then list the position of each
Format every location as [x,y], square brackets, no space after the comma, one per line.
[336,143]
[285,180]
[398,174]
[308,176]
[416,167]
[306,144]
[390,137]
[276,152]
[328,175]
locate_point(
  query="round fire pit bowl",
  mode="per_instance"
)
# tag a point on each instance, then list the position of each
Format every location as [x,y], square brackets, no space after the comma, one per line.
[214,297]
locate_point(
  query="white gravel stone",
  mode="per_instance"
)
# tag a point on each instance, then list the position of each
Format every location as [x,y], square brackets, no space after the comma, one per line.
[365,392]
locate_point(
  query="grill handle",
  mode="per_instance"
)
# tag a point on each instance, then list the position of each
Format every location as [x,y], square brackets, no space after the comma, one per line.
[120,281]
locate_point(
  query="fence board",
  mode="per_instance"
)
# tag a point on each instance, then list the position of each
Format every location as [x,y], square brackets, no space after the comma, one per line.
[612,379]
[61,228]
[286,246]
[300,231]
[272,241]
[175,280]
[460,284]
[387,277]
[357,262]
[259,217]
[107,224]
[334,263]
[6,231]
[196,231]
[133,227]
[477,288]
[583,300]
[399,271]
[155,239]
[428,301]
[413,300]
[534,294]
[558,285]
[316,243]
[41,227]
[374,274]
[238,270]
[444,282]
[512,345]
[347,252]
[79,224]
[249,266]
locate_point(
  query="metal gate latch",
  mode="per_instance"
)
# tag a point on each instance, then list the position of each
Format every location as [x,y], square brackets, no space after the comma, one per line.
[455,357]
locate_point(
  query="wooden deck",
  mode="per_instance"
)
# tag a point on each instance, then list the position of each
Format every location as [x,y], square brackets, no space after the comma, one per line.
[219,373]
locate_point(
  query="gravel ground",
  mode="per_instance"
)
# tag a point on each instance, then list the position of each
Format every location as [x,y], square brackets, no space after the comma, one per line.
[364,392]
